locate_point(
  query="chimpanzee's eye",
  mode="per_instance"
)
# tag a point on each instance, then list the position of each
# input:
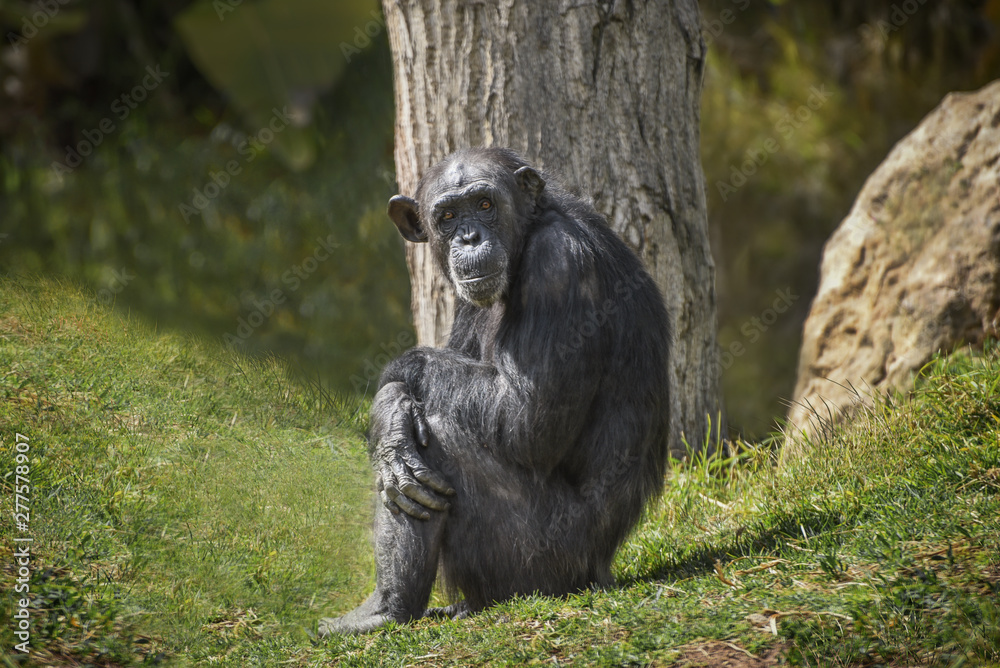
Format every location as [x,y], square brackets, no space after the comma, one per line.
[448,215]
[485,204]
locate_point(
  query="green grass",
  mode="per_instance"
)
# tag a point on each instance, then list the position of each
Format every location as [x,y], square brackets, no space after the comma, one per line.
[184,499]
[192,507]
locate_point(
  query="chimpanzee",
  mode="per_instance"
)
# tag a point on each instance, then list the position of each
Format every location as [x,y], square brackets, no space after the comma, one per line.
[518,458]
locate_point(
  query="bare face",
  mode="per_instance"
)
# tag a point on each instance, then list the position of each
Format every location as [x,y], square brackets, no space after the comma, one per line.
[465,221]
[469,210]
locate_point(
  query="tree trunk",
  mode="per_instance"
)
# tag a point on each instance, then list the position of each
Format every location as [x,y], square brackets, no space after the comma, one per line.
[602,94]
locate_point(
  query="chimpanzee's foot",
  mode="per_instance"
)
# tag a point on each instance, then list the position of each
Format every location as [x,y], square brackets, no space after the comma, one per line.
[459,610]
[365,618]
[351,624]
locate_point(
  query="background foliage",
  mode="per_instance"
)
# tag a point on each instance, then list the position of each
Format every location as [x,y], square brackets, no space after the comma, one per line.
[832,85]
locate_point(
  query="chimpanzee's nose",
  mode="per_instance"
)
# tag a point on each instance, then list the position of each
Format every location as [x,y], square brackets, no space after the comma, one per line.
[470,238]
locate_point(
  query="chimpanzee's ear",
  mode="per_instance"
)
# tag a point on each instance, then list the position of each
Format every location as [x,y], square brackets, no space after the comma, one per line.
[530,181]
[403,211]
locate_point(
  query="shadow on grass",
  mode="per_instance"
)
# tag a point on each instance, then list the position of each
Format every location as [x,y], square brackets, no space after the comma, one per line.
[763,538]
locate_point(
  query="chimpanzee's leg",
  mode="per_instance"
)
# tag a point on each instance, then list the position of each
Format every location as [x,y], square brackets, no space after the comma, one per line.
[508,532]
[406,560]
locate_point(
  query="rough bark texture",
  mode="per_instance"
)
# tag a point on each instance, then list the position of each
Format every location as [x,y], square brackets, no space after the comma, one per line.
[913,269]
[605,95]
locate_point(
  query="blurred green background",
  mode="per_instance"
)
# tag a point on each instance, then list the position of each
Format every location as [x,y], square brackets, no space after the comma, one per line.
[223,166]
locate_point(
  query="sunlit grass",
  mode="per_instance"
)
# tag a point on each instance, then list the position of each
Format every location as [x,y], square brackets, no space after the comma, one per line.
[196,495]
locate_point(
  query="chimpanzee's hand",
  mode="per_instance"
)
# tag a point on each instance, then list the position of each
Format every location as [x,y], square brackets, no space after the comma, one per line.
[404,482]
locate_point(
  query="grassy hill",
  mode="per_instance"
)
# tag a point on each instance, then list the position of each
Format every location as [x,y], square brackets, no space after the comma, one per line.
[190,506]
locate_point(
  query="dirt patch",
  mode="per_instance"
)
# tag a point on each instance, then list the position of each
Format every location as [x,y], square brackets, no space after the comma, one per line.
[718,654]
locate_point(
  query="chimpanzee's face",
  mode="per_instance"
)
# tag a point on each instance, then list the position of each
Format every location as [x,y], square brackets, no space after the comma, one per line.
[470,211]
[466,219]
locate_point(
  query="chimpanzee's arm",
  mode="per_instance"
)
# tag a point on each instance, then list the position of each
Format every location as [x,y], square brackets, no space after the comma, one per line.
[527,404]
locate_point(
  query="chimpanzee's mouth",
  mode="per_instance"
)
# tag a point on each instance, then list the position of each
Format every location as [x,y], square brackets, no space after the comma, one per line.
[478,279]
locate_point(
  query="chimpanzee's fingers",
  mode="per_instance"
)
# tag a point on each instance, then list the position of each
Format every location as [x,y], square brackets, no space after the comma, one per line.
[388,503]
[423,496]
[432,479]
[406,488]
[411,508]
[386,492]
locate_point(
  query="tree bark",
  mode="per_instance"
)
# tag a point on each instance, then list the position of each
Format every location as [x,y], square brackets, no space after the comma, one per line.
[603,94]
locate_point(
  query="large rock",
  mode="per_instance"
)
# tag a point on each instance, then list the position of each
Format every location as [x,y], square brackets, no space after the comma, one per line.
[914,268]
